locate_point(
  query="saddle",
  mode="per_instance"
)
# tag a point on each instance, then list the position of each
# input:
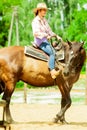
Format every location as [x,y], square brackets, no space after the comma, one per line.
[37,53]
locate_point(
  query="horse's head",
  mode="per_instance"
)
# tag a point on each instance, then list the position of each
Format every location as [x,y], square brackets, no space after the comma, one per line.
[77,56]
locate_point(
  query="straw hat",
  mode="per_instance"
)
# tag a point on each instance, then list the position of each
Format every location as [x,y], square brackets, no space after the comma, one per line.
[40,6]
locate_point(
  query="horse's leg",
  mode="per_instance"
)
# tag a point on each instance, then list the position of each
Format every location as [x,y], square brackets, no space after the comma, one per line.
[9,88]
[65,102]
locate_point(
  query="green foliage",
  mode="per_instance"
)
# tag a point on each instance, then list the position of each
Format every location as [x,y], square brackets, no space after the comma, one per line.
[74,23]
[77,30]
[20,84]
[25,17]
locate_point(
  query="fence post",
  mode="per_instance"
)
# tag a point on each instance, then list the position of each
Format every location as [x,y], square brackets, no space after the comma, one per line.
[25,93]
[14,18]
[17,30]
[10,30]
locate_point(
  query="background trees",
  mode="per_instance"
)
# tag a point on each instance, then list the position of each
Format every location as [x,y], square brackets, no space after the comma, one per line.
[67,18]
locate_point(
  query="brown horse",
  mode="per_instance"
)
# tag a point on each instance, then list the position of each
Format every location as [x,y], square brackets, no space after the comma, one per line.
[15,66]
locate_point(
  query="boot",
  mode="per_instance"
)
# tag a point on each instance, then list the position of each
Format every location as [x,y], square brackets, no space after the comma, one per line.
[54,73]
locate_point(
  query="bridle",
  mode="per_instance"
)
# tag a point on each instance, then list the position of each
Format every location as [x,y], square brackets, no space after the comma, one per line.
[74,66]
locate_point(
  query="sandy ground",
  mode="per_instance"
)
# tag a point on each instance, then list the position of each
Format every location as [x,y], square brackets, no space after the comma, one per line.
[40,117]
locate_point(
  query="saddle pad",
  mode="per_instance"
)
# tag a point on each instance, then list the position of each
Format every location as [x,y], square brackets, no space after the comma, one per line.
[36,53]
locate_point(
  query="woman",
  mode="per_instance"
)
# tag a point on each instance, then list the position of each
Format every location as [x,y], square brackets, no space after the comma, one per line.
[42,32]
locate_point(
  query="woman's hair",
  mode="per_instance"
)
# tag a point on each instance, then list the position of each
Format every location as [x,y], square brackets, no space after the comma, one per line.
[36,13]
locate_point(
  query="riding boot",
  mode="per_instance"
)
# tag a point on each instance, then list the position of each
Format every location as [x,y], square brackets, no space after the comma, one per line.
[54,73]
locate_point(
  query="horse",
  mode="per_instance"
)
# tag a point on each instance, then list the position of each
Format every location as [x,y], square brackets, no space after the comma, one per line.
[16,66]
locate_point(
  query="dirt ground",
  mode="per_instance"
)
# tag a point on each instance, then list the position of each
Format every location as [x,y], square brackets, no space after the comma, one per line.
[40,117]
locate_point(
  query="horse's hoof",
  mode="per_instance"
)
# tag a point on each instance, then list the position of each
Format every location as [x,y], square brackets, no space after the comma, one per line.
[64,122]
[11,122]
[55,120]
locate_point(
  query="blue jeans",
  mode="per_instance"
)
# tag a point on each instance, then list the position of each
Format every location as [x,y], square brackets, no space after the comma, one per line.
[47,48]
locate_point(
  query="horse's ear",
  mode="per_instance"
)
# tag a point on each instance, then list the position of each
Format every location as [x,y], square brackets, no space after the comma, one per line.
[69,43]
[82,43]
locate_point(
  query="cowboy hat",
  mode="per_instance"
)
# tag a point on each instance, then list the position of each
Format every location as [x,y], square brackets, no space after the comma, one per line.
[40,6]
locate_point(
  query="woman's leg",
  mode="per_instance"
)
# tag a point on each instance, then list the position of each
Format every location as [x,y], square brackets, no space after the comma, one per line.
[46,47]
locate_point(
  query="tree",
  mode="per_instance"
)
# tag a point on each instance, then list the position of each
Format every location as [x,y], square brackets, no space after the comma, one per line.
[64,19]
[25,16]
[78,26]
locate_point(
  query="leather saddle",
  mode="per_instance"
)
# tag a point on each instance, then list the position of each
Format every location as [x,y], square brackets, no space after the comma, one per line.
[37,53]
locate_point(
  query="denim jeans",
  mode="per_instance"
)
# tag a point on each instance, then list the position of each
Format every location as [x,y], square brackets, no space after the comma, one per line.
[47,48]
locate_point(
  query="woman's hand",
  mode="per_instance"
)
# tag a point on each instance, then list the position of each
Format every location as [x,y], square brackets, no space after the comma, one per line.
[59,38]
[56,36]
[49,37]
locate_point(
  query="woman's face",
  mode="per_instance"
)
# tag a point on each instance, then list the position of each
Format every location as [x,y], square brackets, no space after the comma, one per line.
[43,12]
